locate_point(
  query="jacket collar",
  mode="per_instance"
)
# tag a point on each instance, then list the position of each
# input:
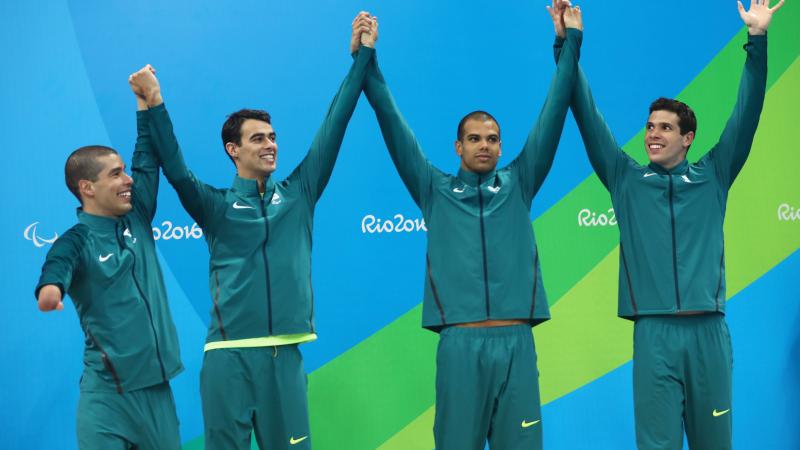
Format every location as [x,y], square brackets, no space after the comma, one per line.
[100,223]
[248,187]
[472,178]
[680,169]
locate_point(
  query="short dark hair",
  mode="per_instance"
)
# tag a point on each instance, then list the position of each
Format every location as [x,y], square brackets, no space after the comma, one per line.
[232,128]
[476,115]
[686,120]
[82,164]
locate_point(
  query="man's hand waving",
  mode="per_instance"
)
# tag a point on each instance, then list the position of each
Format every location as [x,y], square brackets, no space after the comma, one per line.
[758,18]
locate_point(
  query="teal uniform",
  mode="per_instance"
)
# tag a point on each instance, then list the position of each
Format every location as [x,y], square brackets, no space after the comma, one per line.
[481,263]
[109,267]
[259,279]
[672,260]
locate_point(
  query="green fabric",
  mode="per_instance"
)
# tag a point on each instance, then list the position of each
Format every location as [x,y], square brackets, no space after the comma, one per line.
[109,267]
[261,389]
[487,386]
[671,221]
[144,419]
[682,377]
[482,261]
[260,265]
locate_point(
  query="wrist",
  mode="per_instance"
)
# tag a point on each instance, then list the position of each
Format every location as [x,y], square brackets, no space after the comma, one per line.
[154,99]
[141,104]
[753,31]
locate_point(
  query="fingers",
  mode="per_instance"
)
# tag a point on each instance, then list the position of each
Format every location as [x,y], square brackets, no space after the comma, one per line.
[776,7]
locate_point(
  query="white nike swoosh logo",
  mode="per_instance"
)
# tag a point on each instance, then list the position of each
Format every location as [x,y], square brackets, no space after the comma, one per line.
[686,179]
[105,258]
[529,424]
[458,190]
[294,441]
[494,189]
[716,413]
[236,205]
[649,174]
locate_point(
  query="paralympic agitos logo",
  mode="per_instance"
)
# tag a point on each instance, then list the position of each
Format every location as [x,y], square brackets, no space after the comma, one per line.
[31,234]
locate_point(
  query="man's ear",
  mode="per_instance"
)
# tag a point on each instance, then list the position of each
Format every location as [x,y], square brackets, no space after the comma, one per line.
[86,188]
[688,138]
[232,149]
[459,148]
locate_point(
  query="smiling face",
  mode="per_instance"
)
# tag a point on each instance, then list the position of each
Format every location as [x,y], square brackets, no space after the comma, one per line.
[110,194]
[257,155]
[663,141]
[479,146]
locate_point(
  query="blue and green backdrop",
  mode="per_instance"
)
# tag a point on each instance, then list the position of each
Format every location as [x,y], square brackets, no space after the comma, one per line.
[371,372]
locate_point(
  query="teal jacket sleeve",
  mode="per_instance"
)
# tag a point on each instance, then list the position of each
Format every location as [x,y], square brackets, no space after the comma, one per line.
[536,157]
[145,171]
[730,153]
[605,155]
[63,260]
[200,200]
[414,169]
[315,170]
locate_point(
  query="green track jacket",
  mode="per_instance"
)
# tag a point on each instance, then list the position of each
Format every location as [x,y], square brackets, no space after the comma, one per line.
[109,267]
[482,262]
[260,265]
[670,221]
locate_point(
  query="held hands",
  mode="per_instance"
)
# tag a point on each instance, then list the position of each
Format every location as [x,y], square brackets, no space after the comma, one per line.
[365,31]
[565,16]
[759,17]
[50,298]
[144,85]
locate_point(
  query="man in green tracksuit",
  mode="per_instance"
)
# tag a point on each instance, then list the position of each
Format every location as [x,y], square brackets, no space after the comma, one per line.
[107,263]
[259,236]
[483,285]
[672,265]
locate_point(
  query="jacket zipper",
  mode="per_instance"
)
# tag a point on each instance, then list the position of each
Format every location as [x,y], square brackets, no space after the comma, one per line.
[674,244]
[483,248]
[266,258]
[216,308]
[147,307]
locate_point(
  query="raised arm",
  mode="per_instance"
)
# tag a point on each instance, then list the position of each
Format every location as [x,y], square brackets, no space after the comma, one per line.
[730,153]
[536,157]
[59,266]
[315,170]
[145,163]
[197,197]
[604,153]
[414,169]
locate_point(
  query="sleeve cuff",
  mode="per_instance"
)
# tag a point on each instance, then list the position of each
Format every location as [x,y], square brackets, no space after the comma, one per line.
[574,33]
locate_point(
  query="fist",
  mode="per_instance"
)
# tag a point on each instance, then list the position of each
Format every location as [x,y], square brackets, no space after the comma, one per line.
[50,298]
[144,84]
[573,17]
[369,37]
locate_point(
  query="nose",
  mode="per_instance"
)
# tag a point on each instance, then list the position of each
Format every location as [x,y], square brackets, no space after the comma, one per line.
[126,179]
